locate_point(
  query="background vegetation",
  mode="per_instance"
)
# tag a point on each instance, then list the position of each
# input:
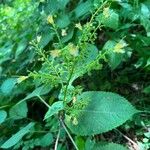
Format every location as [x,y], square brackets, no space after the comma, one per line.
[56,58]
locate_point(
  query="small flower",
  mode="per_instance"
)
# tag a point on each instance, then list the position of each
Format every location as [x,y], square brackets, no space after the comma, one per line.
[63,32]
[55,53]
[119,47]
[106,12]
[21,78]
[74,99]
[73,50]
[78,25]
[75,121]
[50,19]
[38,38]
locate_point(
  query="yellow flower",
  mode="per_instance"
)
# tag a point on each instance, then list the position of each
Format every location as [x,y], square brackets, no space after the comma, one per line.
[73,50]
[119,47]
[75,121]
[38,38]
[63,32]
[50,19]
[55,53]
[106,12]
[78,25]
[21,78]
[74,99]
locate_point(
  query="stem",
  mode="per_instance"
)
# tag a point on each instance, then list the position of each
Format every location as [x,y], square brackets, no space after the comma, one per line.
[4,106]
[48,62]
[145,111]
[56,143]
[58,75]
[63,125]
[97,11]
[42,100]
[71,73]
[127,138]
[57,34]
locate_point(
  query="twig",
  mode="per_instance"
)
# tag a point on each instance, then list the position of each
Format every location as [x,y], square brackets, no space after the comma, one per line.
[97,11]
[56,143]
[42,100]
[57,34]
[127,138]
[70,76]
[64,126]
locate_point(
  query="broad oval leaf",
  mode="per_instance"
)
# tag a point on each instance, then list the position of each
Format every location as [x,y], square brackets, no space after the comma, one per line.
[3,116]
[18,136]
[108,146]
[104,111]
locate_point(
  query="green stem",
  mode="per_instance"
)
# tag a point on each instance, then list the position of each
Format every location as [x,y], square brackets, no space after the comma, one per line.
[48,62]
[70,76]
[69,135]
[4,106]
[56,143]
[43,101]
[96,12]
[58,75]
[57,34]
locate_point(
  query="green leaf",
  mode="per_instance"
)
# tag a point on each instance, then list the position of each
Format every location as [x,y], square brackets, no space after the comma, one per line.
[84,64]
[145,22]
[114,59]
[3,116]
[69,35]
[111,21]
[63,21]
[108,146]
[42,90]
[55,108]
[39,91]
[145,15]
[52,6]
[20,48]
[8,85]
[89,144]
[46,140]
[147,90]
[19,111]
[80,142]
[18,136]
[100,107]
[83,9]
[46,36]
[145,11]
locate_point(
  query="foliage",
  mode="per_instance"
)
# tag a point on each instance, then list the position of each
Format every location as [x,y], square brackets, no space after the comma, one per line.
[62,64]
[93,118]
[108,146]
